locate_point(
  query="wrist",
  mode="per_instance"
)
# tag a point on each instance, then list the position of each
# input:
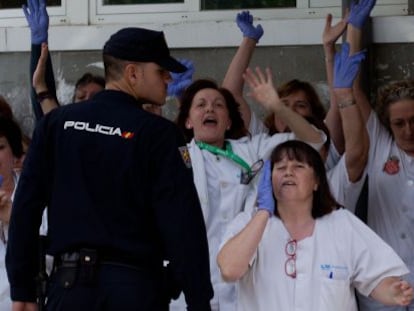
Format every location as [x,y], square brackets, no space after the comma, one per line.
[264,211]
[41,96]
[343,103]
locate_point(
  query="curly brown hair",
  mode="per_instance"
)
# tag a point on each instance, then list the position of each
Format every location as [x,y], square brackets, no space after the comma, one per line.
[390,94]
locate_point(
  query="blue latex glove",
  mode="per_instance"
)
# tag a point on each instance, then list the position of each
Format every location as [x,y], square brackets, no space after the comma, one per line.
[38,20]
[245,22]
[265,200]
[360,12]
[180,81]
[346,67]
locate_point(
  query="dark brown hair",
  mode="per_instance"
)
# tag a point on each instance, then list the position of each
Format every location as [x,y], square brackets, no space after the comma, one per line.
[293,86]
[12,132]
[323,200]
[5,109]
[237,129]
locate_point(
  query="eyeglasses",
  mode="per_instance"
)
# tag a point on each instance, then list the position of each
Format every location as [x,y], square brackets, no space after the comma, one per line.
[290,264]
[246,177]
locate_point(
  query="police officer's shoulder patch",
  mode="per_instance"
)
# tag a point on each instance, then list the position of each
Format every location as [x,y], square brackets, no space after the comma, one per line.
[185,155]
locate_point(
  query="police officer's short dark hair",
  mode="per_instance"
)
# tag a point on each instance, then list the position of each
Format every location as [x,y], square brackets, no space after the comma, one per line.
[12,132]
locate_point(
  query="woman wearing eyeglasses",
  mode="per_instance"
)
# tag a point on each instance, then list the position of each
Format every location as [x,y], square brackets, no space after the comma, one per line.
[225,160]
[306,253]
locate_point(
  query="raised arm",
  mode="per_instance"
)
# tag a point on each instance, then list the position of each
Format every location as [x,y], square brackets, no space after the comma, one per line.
[393,291]
[233,80]
[264,92]
[38,21]
[353,125]
[333,120]
[46,99]
[234,257]
[358,16]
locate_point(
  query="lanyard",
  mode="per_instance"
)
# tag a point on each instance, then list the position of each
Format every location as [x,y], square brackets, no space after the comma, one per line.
[228,153]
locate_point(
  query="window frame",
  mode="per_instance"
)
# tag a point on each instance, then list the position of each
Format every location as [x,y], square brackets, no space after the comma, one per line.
[76,25]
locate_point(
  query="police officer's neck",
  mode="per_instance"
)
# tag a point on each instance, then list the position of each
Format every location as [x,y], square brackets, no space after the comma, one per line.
[120,85]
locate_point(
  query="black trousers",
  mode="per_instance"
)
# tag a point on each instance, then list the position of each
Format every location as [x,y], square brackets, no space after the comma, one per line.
[115,287]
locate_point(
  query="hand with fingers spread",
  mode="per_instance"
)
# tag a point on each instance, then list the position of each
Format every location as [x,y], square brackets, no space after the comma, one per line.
[331,33]
[38,20]
[180,81]
[245,22]
[346,67]
[262,89]
[359,13]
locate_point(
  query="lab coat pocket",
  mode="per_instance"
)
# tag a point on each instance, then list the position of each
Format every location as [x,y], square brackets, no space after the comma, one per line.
[233,199]
[335,295]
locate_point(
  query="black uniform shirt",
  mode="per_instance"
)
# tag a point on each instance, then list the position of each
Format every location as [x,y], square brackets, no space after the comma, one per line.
[116,178]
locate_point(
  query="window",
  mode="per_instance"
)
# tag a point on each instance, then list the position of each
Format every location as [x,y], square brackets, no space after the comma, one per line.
[246,4]
[112,2]
[215,4]
[15,4]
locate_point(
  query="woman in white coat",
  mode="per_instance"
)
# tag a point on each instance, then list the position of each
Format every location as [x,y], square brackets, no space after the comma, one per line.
[306,253]
[225,160]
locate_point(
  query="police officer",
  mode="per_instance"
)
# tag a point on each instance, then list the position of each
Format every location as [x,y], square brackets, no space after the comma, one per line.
[117,182]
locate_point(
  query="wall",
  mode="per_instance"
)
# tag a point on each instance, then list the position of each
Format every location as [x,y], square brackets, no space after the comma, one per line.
[389,62]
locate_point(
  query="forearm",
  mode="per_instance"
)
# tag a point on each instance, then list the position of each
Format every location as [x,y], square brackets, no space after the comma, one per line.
[354,38]
[333,119]
[234,257]
[233,80]
[302,129]
[355,134]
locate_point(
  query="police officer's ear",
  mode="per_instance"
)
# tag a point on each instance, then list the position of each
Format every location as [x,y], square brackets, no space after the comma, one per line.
[133,73]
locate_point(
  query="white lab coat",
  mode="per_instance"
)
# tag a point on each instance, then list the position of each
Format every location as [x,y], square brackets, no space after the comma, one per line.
[342,254]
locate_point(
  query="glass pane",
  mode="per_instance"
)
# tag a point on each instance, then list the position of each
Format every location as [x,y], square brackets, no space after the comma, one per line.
[17,4]
[117,2]
[246,4]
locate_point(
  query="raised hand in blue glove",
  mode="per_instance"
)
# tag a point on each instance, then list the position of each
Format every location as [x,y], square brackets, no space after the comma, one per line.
[38,20]
[346,67]
[360,12]
[265,200]
[245,22]
[180,81]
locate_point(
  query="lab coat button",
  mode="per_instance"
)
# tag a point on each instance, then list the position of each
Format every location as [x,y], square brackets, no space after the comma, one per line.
[410,183]
[224,184]
[403,236]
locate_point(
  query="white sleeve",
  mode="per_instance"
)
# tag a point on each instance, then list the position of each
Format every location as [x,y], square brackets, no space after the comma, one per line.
[372,259]
[379,137]
[343,190]
[256,125]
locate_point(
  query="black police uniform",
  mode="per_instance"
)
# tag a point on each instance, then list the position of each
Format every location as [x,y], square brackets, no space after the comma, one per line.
[119,189]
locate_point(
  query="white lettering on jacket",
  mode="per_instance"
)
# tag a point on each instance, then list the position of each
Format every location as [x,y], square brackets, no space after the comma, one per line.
[97,128]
